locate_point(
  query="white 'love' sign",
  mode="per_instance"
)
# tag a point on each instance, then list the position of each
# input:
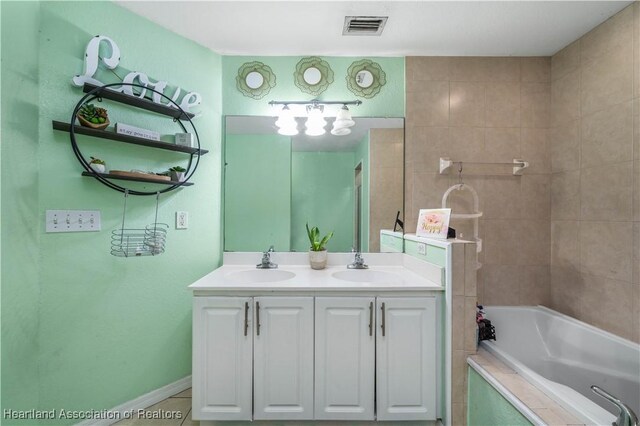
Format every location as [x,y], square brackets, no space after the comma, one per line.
[91,58]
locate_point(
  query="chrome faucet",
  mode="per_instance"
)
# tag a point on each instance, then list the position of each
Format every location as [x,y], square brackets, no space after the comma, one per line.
[266,262]
[626,417]
[358,261]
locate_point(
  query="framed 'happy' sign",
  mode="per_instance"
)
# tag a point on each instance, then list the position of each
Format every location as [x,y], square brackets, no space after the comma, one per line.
[433,223]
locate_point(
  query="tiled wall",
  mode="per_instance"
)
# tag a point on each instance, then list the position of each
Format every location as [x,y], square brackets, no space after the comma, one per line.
[595,183]
[386,152]
[463,324]
[490,110]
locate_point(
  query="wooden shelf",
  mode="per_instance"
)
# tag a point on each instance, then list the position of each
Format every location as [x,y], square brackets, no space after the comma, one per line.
[135,179]
[106,134]
[135,101]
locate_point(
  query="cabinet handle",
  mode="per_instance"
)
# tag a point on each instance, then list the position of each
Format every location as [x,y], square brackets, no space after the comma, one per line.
[370,318]
[258,318]
[382,323]
[246,317]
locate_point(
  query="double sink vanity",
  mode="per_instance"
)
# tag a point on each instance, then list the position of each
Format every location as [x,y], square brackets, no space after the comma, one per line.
[292,343]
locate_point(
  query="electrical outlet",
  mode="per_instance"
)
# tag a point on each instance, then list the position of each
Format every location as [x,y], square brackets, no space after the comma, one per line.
[422,249]
[72,221]
[182,220]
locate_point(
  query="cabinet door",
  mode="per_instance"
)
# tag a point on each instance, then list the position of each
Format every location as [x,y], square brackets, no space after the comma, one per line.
[283,358]
[345,358]
[222,355]
[406,358]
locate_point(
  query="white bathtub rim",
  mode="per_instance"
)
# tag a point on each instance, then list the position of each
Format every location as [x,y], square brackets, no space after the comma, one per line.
[568,398]
[618,339]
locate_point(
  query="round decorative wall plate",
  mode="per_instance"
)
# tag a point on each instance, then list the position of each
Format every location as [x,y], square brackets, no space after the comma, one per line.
[255,79]
[313,75]
[365,78]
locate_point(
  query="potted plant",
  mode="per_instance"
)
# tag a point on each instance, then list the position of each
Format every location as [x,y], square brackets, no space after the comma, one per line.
[97,165]
[177,173]
[90,116]
[318,251]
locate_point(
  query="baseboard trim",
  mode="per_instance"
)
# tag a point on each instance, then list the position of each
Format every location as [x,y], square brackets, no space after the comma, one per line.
[141,402]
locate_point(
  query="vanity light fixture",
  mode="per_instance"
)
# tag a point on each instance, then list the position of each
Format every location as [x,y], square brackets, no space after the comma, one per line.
[315,112]
[343,122]
[287,124]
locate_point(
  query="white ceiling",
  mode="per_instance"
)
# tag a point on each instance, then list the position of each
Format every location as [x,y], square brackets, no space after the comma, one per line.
[263,125]
[439,28]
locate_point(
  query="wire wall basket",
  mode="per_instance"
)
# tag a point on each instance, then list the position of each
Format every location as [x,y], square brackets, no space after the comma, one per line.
[132,242]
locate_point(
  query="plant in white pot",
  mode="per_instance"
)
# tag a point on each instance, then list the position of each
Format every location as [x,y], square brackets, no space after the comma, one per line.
[177,173]
[97,165]
[318,250]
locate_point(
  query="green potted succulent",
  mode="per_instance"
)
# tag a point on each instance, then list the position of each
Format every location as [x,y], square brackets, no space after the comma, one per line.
[91,116]
[97,165]
[177,173]
[318,250]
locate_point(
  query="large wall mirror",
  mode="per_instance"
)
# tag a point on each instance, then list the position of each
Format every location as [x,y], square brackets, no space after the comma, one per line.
[352,185]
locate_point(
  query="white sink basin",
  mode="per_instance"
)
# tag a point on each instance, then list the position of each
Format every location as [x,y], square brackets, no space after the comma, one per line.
[367,276]
[260,276]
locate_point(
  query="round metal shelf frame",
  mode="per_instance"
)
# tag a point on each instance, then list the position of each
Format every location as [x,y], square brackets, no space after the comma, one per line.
[95,94]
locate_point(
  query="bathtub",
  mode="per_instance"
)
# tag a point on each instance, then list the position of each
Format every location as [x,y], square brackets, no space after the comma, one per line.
[563,357]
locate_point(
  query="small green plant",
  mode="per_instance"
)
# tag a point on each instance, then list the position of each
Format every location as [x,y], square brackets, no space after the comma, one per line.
[95,115]
[95,160]
[317,244]
[177,169]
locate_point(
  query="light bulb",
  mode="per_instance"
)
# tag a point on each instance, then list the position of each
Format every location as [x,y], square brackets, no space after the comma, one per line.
[287,124]
[315,122]
[342,122]
[343,118]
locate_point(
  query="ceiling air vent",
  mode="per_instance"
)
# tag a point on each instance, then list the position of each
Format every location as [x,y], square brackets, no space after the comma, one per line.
[364,25]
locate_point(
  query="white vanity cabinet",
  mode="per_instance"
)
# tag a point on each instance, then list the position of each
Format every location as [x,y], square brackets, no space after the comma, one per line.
[315,347]
[222,358]
[406,358]
[253,352]
[283,358]
[345,358]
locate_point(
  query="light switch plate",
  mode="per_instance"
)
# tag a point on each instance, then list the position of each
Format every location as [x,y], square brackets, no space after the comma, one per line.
[72,221]
[422,249]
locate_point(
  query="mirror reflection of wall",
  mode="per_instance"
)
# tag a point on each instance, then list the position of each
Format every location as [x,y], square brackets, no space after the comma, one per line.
[312,76]
[351,185]
[364,79]
[386,176]
[254,80]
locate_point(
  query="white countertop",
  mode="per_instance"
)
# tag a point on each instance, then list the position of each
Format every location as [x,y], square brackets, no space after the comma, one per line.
[399,272]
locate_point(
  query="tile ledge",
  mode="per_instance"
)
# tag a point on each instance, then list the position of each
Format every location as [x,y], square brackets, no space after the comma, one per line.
[538,416]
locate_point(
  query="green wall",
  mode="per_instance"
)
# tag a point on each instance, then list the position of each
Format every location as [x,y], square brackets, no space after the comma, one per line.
[435,255]
[20,234]
[388,103]
[391,243]
[83,329]
[322,195]
[486,407]
[258,192]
